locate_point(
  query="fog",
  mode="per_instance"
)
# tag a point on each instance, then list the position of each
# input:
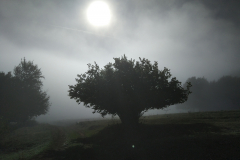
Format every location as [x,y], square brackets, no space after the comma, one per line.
[191,38]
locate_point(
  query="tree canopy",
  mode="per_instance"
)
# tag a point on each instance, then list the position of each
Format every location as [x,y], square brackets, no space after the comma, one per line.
[22,97]
[29,74]
[127,88]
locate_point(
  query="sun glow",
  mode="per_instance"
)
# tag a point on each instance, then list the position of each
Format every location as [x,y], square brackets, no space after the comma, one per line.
[98,13]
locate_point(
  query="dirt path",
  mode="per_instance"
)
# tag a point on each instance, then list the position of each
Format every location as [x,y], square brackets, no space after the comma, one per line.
[58,138]
[59,141]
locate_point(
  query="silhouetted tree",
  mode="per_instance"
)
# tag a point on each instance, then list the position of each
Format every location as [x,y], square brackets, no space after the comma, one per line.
[227,92]
[128,89]
[9,96]
[223,94]
[22,97]
[198,98]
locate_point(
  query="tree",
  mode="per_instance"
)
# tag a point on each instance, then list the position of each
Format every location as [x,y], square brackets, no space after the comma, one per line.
[128,89]
[223,94]
[227,92]
[29,74]
[200,94]
[9,96]
[22,97]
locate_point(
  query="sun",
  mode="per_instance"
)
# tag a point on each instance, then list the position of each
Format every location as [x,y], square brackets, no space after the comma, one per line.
[98,13]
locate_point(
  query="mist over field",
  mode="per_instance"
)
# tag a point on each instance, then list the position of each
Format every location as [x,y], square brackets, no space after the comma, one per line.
[191,38]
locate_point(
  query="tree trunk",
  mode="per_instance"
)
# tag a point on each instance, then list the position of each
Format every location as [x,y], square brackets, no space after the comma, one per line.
[129,120]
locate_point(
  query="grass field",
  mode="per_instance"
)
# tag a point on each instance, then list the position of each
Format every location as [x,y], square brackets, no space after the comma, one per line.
[201,135]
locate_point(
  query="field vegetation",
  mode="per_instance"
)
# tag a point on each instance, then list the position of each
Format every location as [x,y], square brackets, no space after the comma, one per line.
[199,135]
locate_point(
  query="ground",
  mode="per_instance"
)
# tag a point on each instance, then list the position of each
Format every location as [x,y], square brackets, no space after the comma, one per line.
[202,135]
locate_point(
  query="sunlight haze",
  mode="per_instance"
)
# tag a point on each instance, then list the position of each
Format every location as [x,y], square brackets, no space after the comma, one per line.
[98,13]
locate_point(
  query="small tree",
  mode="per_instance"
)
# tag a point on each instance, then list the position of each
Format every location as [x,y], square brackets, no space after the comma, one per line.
[128,89]
[22,97]
[35,101]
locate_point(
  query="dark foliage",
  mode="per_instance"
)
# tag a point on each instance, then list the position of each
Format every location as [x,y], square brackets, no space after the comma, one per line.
[223,94]
[128,89]
[21,97]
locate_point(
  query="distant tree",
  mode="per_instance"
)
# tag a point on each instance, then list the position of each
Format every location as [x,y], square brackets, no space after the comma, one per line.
[29,74]
[199,95]
[223,94]
[227,92]
[128,89]
[22,97]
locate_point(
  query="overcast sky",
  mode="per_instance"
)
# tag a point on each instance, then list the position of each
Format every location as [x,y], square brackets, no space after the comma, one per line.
[191,38]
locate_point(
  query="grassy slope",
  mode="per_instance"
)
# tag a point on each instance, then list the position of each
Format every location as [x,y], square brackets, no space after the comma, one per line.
[25,142]
[203,135]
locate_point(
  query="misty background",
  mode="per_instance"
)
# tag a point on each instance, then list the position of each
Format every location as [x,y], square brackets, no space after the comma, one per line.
[191,38]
